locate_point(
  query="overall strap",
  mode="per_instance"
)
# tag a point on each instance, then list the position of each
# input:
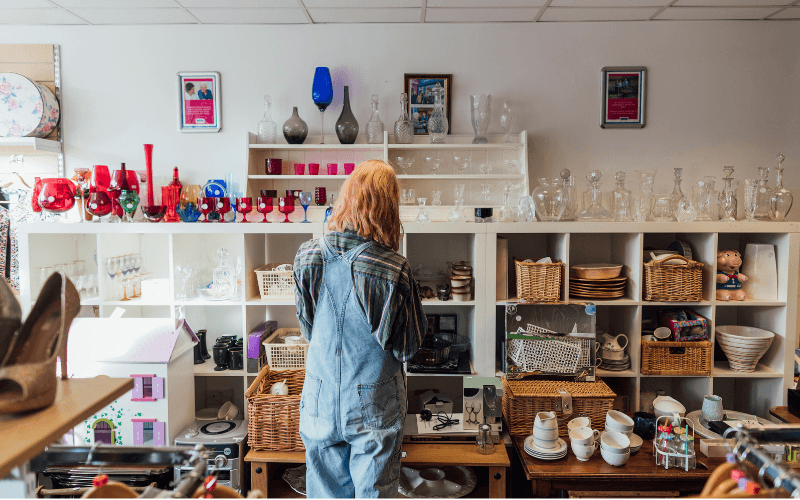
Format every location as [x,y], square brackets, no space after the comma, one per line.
[353,254]
[328,252]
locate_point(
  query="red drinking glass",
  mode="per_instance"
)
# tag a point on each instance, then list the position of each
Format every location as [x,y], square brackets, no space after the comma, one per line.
[320,196]
[273,166]
[313,169]
[348,168]
[206,206]
[133,181]
[244,206]
[101,178]
[333,168]
[286,206]
[99,204]
[299,169]
[264,206]
[57,195]
[170,196]
[223,207]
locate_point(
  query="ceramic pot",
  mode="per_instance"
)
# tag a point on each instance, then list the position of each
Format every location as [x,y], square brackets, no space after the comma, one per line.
[712,408]
[347,125]
[295,130]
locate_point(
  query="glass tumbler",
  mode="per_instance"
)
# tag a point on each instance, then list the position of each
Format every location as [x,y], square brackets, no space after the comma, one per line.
[333,168]
[661,208]
[206,206]
[313,169]
[299,169]
[484,443]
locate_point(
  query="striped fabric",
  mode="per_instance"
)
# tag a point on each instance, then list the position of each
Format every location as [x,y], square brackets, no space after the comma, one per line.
[385,287]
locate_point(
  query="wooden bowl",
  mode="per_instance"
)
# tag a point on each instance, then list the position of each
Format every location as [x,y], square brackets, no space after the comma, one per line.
[597,271]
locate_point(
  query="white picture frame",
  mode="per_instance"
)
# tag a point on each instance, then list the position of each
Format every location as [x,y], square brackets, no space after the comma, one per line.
[195,112]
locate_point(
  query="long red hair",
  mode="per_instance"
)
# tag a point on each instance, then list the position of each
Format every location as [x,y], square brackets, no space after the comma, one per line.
[369,204]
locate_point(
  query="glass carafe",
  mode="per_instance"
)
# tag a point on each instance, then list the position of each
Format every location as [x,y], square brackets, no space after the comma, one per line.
[506,121]
[457,212]
[267,129]
[549,199]
[437,123]
[570,195]
[622,200]
[479,111]
[780,201]
[423,215]
[595,212]
[727,199]
[375,125]
[506,212]
[403,129]
[702,197]
[763,194]
[677,193]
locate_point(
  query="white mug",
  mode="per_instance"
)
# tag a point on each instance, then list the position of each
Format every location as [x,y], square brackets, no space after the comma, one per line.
[662,333]
[579,422]
[280,388]
[583,452]
[648,338]
[583,435]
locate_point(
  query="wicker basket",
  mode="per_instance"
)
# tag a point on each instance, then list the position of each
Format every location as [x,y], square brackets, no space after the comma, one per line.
[686,358]
[282,356]
[274,421]
[523,399]
[275,285]
[673,282]
[539,282]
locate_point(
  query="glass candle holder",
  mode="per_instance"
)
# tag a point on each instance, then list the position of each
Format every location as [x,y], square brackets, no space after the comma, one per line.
[348,168]
[264,206]
[154,213]
[662,208]
[206,205]
[313,169]
[333,168]
[320,196]
[299,169]
[273,166]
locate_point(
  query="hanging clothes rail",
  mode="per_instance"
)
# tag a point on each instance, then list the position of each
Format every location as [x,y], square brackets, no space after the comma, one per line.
[747,449]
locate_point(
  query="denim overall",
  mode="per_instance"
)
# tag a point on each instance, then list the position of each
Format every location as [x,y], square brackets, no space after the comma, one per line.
[354,395]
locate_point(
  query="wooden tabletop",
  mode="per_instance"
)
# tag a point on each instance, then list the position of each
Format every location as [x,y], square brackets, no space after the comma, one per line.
[25,436]
[416,453]
[782,414]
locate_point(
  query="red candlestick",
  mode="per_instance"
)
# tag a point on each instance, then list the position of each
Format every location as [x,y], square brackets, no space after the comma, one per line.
[148,158]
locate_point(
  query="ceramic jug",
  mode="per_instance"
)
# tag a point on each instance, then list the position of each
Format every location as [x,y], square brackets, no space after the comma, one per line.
[665,406]
[614,343]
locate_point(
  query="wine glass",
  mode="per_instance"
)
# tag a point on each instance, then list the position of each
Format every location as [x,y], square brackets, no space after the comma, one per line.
[244,206]
[485,168]
[99,204]
[124,268]
[206,205]
[129,200]
[286,206]
[223,207]
[434,162]
[264,206]
[305,201]
[137,264]
[461,163]
[112,267]
[322,93]
[405,162]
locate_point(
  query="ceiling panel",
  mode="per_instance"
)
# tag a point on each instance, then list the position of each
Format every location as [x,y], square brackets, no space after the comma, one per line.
[480,15]
[730,3]
[26,4]
[486,3]
[365,15]
[135,16]
[610,3]
[250,16]
[360,3]
[790,13]
[577,14]
[239,4]
[115,4]
[38,16]
[700,13]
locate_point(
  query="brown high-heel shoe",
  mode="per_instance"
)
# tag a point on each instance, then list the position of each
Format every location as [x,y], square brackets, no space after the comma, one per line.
[10,317]
[27,380]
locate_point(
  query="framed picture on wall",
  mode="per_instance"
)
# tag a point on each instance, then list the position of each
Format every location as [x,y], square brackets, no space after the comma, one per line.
[199,97]
[420,98]
[623,91]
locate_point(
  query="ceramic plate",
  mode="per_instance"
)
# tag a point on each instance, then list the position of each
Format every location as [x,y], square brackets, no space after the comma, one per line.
[296,479]
[600,281]
[561,447]
[457,482]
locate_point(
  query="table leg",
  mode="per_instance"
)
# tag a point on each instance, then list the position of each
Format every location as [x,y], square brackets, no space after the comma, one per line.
[497,482]
[541,489]
[259,477]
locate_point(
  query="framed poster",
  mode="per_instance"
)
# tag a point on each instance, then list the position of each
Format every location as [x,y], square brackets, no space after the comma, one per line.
[623,91]
[199,97]
[420,98]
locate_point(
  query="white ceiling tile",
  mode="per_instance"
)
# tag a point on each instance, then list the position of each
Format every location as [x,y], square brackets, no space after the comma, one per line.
[365,15]
[717,13]
[729,3]
[240,4]
[38,16]
[135,16]
[790,13]
[486,3]
[117,4]
[578,14]
[480,15]
[26,4]
[315,4]
[250,16]
[610,3]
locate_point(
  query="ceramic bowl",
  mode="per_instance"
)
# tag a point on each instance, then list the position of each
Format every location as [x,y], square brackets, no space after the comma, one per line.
[461,289]
[583,452]
[229,411]
[745,332]
[615,441]
[461,297]
[579,422]
[462,270]
[618,421]
[636,443]
[627,433]
[459,281]
[615,459]
[597,271]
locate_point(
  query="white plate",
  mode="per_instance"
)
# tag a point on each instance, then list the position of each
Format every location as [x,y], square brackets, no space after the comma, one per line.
[561,447]
[699,424]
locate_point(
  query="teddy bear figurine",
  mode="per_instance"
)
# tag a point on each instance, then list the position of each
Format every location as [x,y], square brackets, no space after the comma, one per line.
[729,279]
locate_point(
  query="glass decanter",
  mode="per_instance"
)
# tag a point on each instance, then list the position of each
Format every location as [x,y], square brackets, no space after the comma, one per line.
[570,194]
[622,200]
[727,199]
[480,108]
[763,194]
[677,193]
[267,129]
[702,197]
[506,121]
[506,213]
[437,123]
[549,200]
[780,201]
[375,125]
[403,128]
[423,215]
[595,212]
[457,212]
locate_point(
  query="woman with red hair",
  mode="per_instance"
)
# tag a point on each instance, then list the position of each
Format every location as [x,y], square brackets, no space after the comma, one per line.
[359,306]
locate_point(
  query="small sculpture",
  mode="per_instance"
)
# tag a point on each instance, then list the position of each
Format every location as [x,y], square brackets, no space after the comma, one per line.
[729,279]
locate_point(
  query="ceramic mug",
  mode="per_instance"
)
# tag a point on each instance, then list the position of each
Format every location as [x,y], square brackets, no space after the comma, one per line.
[579,422]
[712,408]
[662,333]
[649,338]
[583,452]
[583,436]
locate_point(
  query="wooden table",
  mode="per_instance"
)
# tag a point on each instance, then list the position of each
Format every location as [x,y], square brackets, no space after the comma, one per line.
[418,454]
[25,436]
[639,474]
[782,414]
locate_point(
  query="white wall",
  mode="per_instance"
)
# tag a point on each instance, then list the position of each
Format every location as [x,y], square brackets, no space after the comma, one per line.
[719,93]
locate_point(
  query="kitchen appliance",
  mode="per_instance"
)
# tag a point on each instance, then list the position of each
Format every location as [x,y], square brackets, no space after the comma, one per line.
[226,440]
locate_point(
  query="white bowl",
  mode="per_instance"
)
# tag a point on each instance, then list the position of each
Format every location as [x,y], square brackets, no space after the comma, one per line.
[615,441]
[627,433]
[615,459]
[618,421]
[745,332]
[636,442]
[579,422]
[458,281]
[461,297]
[614,450]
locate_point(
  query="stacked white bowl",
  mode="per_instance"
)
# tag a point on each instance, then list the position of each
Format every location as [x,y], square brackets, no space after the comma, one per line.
[617,421]
[743,345]
[615,448]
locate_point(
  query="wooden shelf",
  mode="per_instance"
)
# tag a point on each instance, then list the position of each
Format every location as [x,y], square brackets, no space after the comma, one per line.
[25,436]
[207,370]
[723,370]
[445,303]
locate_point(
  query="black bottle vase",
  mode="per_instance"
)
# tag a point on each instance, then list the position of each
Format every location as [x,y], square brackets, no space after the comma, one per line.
[346,125]
[295,130]
[201,334]
[198,355]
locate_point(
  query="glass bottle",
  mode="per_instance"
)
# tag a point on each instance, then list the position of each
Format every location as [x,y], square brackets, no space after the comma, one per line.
[727,201]
[548,200]
[267,129]
[571,195]
[175,181]
[506,121]
[375,125]
[437,123]
[763,194]
[595,212]
[403,128]
[677,193]
[506,213]
[622,200]
[422,216]
[780,202]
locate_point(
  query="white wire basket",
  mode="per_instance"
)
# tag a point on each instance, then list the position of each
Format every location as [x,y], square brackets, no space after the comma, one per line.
[585,345]
[284,356]
[553,356]
[275,285]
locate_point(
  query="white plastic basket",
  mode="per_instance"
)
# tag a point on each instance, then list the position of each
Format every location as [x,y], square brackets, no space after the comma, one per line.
[274,285]
[552,356]
[282,356]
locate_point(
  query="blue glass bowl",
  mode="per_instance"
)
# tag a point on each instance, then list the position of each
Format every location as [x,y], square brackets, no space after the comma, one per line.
[188,214]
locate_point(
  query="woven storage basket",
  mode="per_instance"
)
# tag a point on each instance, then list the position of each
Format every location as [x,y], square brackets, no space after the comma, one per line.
[673,282]
[523,399]
[274,421]
[539,282]
[695,358]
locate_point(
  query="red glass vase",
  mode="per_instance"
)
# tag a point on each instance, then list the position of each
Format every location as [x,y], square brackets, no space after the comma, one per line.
[169,197]
[56,195]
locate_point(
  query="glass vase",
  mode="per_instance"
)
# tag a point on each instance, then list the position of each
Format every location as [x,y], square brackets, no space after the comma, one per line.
[375,125]
[347,125]
[437,123]
[479,111]
[403,128]
[549,200]
[763,195]
[750,194]
[780,201]
[506,121]
[267,129]
[702,197]
[295,130]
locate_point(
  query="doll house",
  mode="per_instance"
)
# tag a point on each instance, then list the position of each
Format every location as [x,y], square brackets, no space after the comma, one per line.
[158,356]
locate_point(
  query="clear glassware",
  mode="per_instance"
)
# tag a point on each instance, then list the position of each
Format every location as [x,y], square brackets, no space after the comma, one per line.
[375,125]
[525,210]
[267,129]
[506,212]
[595,212]
[461,163]
[686,211]
[727,198]
[486,192]
[510,167]
[457,212]
[763,194]
[549,200]
[484,444]
[437,123]
[405,162]
[44,273]
[403,128]
[662,208]
[485,168]
[434,162]
[714,205]
[112,268]
[305,200]
[702,197]
[423,215]
[751,187]
[480,109]
[640,207]
[436,198]
[570,194]
[407,196]
[507,121]
[780,201]
[677,193]
[622,200]
[125,267]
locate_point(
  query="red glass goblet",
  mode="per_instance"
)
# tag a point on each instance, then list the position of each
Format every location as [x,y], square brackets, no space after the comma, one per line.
[320,196]
[264,206]
[101,178]
[286,206]
[244,206]
[99,204]
[56,195]
[223,206]
[206,206]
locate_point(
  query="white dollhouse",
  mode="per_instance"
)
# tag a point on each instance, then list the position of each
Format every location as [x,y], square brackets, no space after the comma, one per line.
[158,356]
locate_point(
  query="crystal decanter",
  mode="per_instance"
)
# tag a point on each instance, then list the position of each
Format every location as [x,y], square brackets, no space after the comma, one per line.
[780,200]
[267,129]
[763,194]
[375,125]
[595,212]
[506,212]
[677,193]
[403,128]
[727,198]
[570,195]
[437,123]
[622,200]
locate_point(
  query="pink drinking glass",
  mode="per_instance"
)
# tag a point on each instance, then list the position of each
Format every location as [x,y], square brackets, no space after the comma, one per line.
[333,169]
[348,168]
[299,169]
[244,206]
[264,206]
[223,207]
[313,169]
